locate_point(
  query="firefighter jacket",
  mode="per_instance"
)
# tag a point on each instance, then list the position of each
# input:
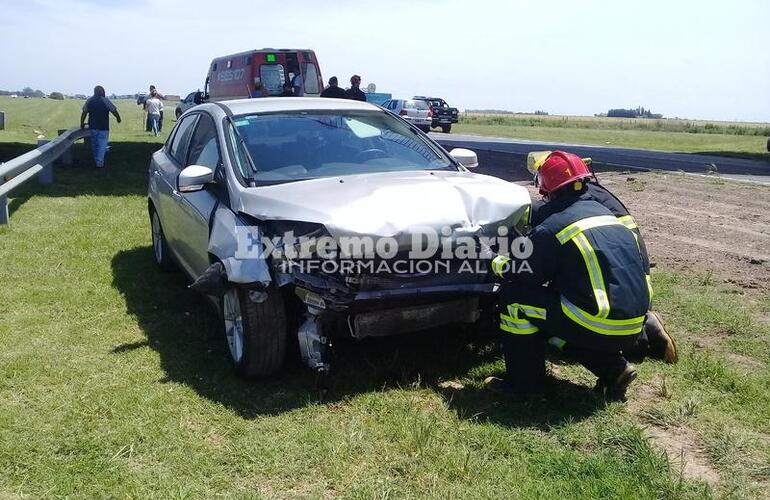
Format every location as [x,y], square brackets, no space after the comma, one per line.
[583,251]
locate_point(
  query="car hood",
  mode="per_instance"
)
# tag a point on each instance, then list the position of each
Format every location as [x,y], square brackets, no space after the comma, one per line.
[392,204]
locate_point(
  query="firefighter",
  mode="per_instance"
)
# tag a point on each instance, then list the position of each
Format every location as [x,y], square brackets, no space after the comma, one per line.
[585,288]
[655,340]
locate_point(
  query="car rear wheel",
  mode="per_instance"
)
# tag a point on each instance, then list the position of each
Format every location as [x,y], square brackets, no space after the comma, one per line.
[159,244]
[446,128]
[255,332]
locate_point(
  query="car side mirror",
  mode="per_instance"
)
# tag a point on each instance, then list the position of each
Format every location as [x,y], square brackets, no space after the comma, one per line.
[194,178]
[465,157]
[198,98]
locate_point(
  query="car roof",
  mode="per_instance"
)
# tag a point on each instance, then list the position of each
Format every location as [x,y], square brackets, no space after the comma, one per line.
[278,104]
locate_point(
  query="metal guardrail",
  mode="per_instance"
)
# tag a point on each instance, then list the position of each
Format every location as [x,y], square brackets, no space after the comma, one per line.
[40,160]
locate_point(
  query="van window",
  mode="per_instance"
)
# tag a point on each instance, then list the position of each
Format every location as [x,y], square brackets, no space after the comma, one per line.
[247,60]
[273,77]
[311,78]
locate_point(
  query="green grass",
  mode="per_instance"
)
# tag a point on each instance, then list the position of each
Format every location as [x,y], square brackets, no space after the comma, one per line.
[114,381]
[26,119]
[743,140]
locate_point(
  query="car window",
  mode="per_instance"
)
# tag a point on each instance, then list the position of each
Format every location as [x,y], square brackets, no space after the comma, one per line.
[203,146]
[292,146]
[416,105]
[189,97]
[182,133]
[272,77]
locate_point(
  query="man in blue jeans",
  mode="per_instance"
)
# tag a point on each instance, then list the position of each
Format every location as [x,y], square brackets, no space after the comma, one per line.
[98,108]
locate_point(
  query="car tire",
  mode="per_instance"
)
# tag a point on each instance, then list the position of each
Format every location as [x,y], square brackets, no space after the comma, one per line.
[425,128]
[768,145]
[255,332]
[159,243]
[446,128]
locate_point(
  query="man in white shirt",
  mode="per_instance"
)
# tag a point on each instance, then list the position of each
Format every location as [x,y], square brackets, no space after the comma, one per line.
[154,107]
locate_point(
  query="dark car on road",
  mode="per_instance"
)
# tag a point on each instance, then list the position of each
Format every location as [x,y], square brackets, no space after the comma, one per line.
[443,115]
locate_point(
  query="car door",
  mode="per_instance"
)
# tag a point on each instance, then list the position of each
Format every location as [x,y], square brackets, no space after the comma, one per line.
[166,165]
[195,209]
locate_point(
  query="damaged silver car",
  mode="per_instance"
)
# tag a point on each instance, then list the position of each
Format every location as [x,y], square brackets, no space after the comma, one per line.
[323,217]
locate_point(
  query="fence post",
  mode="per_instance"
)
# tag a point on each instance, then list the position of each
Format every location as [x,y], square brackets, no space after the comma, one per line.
[66,157]
[2,120]
[46,175]
[3,210]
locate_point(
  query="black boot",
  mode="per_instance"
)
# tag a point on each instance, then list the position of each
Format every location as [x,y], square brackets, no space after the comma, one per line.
[615,389]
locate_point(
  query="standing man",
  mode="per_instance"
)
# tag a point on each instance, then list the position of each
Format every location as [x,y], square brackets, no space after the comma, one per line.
[297,84]
[153,92]
[354,92]
[587,292]
[655,341]
[333,90]
[154,108]
[98,108]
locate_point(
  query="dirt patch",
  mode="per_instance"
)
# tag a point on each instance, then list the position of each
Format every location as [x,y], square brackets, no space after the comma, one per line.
[685,451]
[682,445]
[701,224]
[744,363]
[694,224]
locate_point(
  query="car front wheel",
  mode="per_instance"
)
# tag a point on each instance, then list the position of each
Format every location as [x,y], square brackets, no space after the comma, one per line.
[446,128]
[255,332]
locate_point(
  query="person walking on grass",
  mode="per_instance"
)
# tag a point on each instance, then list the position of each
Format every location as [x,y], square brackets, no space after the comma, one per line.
[98,108]
[154,107]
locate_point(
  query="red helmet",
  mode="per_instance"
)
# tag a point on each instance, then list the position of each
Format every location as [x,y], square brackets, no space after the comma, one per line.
[559,170]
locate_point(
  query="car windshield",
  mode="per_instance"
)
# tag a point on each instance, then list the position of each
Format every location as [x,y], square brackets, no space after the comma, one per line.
[295,146]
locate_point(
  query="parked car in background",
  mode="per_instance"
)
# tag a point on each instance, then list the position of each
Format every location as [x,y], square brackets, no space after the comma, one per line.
[242,187]
[192,99]
[417,113]
[443,115]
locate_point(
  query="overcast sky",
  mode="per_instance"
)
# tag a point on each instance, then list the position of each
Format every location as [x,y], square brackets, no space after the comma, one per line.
[695,59]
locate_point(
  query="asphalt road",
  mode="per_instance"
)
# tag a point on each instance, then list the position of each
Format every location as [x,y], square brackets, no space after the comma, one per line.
[506,158]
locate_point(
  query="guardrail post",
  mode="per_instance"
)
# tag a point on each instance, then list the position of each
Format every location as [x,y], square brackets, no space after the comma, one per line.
[3,210]
[46,175]
[66,157]
[2,120]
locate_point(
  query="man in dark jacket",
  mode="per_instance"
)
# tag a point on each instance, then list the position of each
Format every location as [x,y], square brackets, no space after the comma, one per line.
[587,291]
[98,108]
[333,90]
[354,92]
[655,341]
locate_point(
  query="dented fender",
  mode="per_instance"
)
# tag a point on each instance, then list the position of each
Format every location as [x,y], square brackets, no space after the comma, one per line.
[238,246]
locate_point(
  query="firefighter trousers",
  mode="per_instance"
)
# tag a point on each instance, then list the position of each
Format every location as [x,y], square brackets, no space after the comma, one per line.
[530,318]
